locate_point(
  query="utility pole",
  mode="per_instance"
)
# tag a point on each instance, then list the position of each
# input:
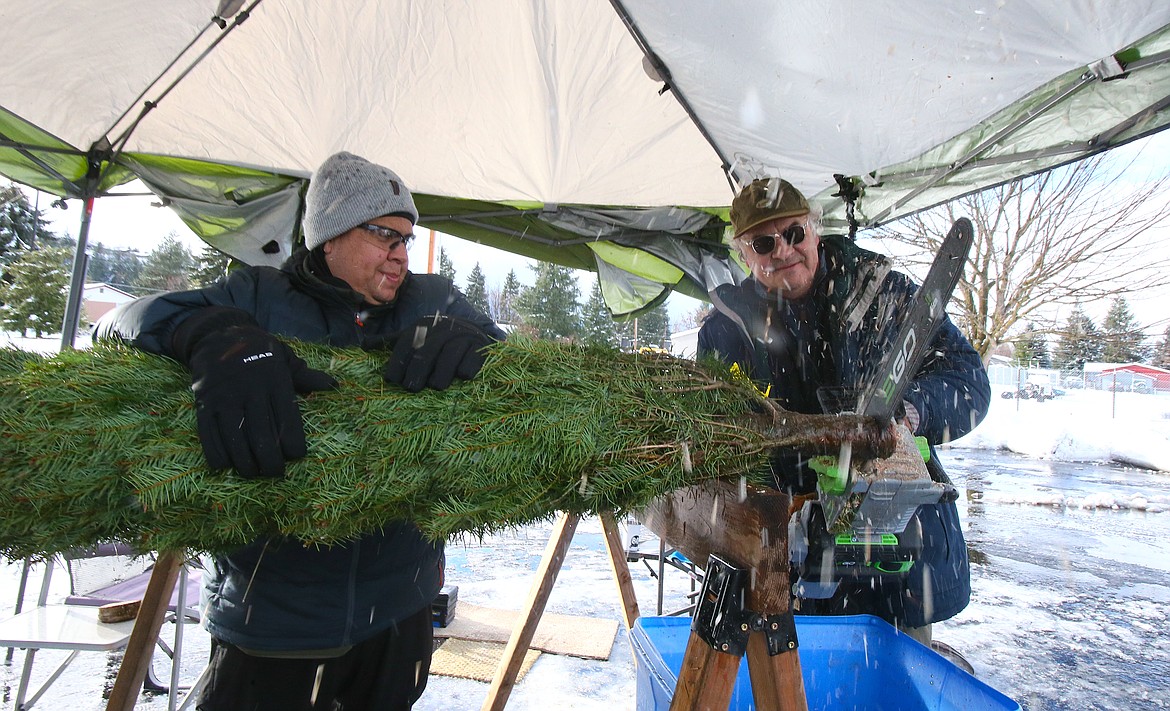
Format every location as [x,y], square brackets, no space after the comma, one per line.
[431,253]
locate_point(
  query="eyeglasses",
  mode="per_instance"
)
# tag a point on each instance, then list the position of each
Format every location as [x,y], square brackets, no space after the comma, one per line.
[385,237]
[766,244]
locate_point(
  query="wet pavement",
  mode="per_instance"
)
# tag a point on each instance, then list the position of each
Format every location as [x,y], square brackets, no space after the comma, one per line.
[1071,579]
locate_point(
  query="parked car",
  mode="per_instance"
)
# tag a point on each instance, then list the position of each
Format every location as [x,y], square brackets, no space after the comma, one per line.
[1029,391]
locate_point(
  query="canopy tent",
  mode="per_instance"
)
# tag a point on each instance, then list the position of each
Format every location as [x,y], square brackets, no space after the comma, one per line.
[602,136]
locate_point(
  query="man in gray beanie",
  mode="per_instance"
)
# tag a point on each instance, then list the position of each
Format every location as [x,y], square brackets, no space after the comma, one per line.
[296,628]
[348,190]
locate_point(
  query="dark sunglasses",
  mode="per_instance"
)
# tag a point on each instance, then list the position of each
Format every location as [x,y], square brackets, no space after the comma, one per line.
[766,244]
[385,237]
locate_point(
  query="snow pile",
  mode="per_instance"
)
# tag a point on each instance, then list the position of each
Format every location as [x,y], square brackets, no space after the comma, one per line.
[1099,500]
[1080,426]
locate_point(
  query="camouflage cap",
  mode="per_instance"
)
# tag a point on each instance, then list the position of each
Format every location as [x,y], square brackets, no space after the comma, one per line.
[765,199]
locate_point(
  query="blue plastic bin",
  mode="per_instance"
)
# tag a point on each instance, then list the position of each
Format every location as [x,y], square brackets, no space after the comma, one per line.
[855,662]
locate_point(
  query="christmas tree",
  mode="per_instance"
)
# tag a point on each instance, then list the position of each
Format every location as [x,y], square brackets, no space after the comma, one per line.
[101,445]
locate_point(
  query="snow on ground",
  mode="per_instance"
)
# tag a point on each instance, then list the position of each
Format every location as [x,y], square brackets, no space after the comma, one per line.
[1080,426]
[47,344]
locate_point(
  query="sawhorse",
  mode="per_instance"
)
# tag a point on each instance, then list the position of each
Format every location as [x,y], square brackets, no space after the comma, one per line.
[740,537]
[136,660]
[745,530]
[745,527]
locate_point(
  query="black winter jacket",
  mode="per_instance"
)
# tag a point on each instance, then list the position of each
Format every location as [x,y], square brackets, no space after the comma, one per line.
[813,350]
[275,594]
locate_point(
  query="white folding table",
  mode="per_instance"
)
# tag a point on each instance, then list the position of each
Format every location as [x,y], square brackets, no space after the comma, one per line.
[70,627]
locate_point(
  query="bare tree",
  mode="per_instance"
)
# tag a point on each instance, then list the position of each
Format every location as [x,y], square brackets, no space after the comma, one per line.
[1081,233]
[502,301]
[694,318]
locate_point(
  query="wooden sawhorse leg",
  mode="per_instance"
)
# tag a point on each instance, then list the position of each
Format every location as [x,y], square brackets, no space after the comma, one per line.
[707,678]
[727,627]
[621,569]
[546,577]
[140,648]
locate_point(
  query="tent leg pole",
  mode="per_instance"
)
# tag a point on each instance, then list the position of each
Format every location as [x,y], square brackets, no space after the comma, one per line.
[77,281]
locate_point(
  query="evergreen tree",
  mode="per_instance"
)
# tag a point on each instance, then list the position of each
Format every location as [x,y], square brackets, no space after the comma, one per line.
[1123,336]
[446,268]
[626,329]
[549,307]
[476,291]
[118,267]
[1161,355]
[1032,349]
[36,296]
[1022,349]
[598,327]
[100,266]
[1039,347]
[654,327]
[504,300]
[1079,343]
[650,329]
[509,298]
[210,266]
[22,227]
[168,267]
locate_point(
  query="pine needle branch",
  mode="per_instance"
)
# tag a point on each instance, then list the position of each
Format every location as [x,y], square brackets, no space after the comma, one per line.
[101,445]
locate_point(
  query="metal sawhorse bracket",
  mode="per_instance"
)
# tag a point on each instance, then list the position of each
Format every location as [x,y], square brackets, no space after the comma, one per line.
[740,538]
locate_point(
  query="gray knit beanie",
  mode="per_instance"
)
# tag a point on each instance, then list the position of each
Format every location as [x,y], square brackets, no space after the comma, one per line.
[348,190]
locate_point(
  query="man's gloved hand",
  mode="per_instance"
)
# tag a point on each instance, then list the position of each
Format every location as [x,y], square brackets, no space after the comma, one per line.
[434,351]
[245,383]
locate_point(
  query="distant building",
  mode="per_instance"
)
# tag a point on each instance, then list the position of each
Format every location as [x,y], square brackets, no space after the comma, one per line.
[1128,377]
[97,298]
[685,344]
[1002,370]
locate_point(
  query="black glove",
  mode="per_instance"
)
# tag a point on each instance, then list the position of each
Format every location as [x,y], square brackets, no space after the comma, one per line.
[434,351]
[245,383]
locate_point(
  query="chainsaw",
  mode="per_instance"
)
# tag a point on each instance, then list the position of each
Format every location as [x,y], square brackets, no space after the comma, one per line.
[861,523]
[874,533]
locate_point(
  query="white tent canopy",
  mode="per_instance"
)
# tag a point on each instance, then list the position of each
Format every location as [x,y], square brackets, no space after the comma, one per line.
[543,127]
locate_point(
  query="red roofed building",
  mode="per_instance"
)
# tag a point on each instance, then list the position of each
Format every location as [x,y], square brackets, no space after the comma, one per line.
[1130,377]
[97,298]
